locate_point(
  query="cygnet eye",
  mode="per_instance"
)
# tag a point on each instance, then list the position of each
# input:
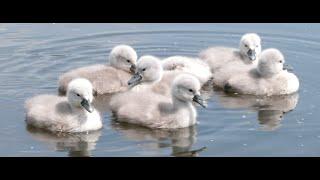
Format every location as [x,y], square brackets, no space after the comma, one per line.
[280,61]
[144,69]
[190,90]
[78,94]
[246,45]
[128,60]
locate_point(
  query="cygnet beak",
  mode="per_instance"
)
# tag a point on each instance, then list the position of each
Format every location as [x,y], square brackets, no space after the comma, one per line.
[133,68]
[86,105]
[199,100]
[135,80]
[252,54]
[288,67]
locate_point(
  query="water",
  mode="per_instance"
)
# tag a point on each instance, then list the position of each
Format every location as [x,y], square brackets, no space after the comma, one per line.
[32,56]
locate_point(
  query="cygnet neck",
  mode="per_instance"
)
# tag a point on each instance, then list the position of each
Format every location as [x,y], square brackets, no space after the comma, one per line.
[81,110]
[178,102]
[266,74]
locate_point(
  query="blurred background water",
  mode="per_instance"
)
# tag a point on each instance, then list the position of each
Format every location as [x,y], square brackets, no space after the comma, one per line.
[32,56]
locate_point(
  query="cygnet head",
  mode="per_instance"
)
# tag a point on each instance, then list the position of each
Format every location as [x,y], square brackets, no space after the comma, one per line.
[80,94]
[149,70]
[250,46]
[186,87]
[271,62]
[123,57]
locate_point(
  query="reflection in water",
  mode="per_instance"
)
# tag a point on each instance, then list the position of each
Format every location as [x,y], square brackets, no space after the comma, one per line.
[180,140]
[193,153]
[270,119]
[271,110]
[77,144]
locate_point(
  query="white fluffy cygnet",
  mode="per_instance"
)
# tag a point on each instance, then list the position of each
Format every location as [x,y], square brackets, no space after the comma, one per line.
[73,113]
[157,111]
[247,54]
[232,69]
[194,66]
[269,78]
[149,75]
[106,79]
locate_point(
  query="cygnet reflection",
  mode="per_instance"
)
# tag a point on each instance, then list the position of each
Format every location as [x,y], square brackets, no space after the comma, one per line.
[270,119]
[179,140]
[76,144]
[270,109]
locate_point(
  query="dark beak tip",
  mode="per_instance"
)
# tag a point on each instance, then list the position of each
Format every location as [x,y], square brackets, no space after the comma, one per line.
[136,79]
[90,109]
[252,55]
[198,100]
[203,105]
[86,106]
[133,68]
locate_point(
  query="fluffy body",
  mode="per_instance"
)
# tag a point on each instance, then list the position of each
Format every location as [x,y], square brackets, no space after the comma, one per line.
[105,78]
[64,114]
[157,111]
